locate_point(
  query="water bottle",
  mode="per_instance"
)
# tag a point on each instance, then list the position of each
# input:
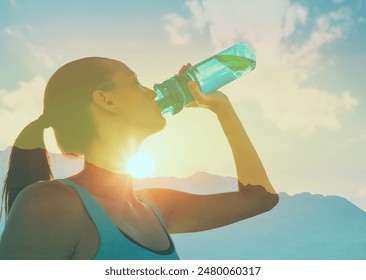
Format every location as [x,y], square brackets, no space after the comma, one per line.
[210,74]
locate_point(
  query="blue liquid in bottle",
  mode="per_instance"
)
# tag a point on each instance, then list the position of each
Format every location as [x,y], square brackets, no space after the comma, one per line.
[210,74]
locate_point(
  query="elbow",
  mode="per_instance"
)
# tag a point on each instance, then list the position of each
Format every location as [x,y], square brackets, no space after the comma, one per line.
[269,201]
[274,199]
[262,199]
[265,200]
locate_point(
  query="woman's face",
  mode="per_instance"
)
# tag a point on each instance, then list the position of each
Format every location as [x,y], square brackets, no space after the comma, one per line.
[136,104]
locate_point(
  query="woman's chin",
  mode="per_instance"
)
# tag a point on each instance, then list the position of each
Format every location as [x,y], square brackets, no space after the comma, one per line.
[156,126]
[161,125]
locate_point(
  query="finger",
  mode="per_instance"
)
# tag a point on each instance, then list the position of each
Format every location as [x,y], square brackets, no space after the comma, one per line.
[181,70]
[184,68]
[196,92]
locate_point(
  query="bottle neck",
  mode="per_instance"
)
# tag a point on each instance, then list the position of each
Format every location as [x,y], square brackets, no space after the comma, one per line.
[164,103]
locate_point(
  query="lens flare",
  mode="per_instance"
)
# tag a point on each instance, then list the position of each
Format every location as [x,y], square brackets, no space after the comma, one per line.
[141,165]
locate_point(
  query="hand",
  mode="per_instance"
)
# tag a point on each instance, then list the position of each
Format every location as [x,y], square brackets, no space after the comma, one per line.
[214,101]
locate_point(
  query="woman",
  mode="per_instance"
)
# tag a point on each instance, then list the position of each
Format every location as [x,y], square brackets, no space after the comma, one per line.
[98,110]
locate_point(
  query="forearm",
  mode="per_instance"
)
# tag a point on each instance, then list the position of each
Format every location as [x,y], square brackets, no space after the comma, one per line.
[249,168]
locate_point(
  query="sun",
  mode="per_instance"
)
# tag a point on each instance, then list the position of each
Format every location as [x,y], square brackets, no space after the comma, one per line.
[141,165]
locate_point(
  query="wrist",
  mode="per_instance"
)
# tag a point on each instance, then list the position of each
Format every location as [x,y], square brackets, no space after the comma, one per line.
[222,107]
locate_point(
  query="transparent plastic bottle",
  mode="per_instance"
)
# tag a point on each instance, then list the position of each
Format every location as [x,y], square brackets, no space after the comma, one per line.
[210,74]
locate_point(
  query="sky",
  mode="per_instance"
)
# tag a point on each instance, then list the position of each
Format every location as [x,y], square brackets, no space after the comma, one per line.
[303,106]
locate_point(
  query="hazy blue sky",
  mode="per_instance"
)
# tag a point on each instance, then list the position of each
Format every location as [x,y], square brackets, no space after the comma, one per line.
[303,106]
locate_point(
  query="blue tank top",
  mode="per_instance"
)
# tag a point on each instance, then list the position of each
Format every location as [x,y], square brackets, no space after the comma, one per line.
[114,244]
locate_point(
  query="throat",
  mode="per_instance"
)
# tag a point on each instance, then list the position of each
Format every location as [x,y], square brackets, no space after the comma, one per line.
[106,185]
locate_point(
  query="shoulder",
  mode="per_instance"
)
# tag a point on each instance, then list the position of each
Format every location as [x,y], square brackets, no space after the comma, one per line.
[42,213]
[51,189]
[48,202]
[52,196]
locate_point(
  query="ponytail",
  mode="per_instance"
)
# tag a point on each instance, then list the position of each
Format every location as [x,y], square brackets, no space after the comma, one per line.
[28,162]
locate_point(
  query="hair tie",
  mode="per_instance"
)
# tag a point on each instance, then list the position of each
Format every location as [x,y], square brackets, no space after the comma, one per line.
[43,120]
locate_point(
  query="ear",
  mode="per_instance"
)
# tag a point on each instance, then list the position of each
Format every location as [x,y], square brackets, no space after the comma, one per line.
[101,100]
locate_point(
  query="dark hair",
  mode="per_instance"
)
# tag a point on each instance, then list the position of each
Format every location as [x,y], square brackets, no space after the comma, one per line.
[66,109]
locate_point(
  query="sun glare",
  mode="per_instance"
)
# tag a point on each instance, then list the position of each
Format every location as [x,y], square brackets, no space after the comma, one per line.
[141,165]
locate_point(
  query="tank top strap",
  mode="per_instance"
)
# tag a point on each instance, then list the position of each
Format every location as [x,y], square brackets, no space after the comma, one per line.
[104,225]
[156,211]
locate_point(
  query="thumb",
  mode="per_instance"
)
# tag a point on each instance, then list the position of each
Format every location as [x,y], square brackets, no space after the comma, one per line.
[195,90]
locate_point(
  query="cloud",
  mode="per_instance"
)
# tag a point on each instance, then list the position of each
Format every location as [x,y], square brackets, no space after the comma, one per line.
[328,28]
[177,26]
[282,67]
[23,35]
[40,54]
[14,32]
[180,29]
[305,109]
[20,106]
[198,19]
[296,14]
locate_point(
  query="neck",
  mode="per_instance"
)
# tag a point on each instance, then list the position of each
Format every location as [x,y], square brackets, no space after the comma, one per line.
[105,184]
[105,172]
[112,155]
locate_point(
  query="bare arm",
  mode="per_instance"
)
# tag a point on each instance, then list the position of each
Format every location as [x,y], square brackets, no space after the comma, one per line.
[185,212]
[249,168]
